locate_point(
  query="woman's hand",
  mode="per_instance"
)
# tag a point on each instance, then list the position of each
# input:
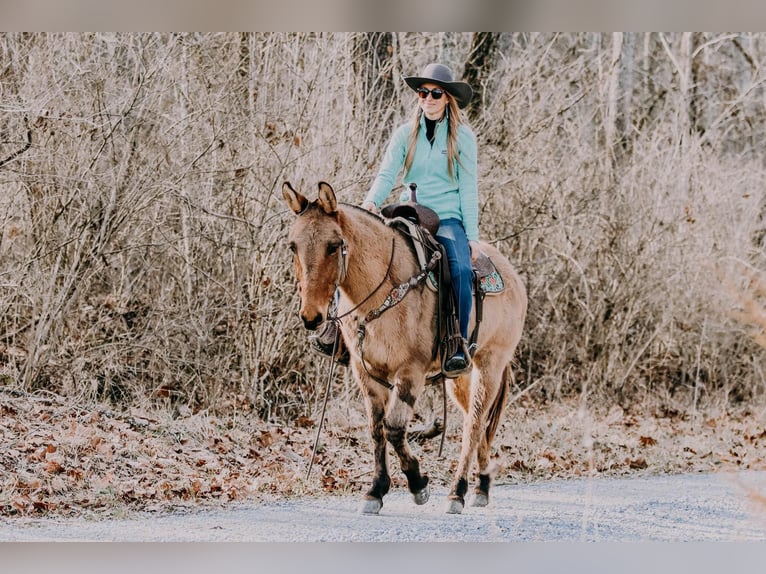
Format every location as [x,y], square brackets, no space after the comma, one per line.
[475,250]
[369,206]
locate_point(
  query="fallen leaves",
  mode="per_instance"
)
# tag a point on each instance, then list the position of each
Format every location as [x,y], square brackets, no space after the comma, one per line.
[647,441]
[562,441]
[304,422]
[60,458]
[53,467]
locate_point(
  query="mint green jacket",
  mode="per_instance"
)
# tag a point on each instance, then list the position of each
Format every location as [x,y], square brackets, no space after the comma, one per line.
[457,198]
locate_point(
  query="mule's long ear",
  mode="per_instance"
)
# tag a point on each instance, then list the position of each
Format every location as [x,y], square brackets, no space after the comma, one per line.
[327,199]
[294,200]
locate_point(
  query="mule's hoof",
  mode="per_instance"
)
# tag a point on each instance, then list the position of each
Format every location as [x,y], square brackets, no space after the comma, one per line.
[371,506]
[422,496]
[480,499]
[455,506]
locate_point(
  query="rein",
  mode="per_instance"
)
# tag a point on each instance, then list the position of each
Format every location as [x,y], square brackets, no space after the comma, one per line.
[324,407]
[342,268]
[394,297]
[336,319]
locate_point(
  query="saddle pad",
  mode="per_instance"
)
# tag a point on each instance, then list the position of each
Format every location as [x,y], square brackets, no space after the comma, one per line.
[488,278]
[491,283]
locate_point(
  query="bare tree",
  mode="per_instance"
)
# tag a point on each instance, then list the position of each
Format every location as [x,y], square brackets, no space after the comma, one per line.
[479,67]
[142,250]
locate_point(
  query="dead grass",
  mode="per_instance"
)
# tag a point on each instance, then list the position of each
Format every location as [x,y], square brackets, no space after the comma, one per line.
[60,458]
[164,271]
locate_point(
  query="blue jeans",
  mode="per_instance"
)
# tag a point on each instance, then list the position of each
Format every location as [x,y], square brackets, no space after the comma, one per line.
[452,235]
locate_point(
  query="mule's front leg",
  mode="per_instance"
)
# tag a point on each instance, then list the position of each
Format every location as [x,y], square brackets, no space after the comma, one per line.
[399,413]
[375,404]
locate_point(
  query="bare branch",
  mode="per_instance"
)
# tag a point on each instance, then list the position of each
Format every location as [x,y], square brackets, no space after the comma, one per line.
[27,145]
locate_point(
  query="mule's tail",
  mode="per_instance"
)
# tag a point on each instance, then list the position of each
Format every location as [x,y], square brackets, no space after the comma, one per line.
[496,410]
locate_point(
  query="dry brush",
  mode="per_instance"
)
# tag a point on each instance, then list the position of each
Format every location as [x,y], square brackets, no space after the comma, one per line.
[142,249]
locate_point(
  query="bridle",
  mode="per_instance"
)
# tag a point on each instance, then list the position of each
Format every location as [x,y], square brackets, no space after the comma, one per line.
[343,272]
[342,263]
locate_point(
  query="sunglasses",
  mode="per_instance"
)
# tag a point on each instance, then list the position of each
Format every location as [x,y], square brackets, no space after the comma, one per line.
[436,93]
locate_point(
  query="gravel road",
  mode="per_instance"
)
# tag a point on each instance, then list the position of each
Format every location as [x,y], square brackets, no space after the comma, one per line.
[700,507]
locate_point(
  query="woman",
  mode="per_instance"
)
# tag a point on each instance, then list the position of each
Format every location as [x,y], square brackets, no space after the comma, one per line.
[437,151]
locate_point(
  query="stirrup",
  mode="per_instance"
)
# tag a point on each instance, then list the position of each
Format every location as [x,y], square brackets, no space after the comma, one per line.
[329,338]
[459,367]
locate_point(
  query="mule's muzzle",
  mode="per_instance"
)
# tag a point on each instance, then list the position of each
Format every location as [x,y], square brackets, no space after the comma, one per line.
[312,324]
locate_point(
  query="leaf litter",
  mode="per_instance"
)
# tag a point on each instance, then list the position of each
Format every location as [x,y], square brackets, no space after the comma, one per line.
[60,458]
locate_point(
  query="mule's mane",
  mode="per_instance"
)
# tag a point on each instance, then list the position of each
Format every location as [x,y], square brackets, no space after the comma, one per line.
[360,209]
[382,222]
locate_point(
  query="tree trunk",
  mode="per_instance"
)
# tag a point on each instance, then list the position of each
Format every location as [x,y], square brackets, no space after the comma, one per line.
[624,119]
[685,84]
[374,52]
[478,68]
[610,120]
[374,90]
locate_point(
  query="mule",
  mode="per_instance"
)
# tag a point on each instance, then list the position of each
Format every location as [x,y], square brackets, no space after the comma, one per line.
[345,247]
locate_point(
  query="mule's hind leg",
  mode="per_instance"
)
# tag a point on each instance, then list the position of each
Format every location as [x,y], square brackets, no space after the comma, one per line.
[481,393]
[375,398]
[481,492]
[399,413]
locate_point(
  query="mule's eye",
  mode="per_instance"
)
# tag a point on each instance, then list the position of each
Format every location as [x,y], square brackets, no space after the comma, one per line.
[291,246]
[332,248]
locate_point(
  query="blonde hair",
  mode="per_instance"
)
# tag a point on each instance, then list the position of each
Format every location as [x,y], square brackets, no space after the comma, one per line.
[453,122]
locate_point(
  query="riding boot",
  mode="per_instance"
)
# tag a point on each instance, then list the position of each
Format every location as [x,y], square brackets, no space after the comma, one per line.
[459,362]
[329,338]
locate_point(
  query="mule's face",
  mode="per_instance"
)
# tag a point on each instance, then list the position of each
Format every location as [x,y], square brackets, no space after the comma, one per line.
[317,245]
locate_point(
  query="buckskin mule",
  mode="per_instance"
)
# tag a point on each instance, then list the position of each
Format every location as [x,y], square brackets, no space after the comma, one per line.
[341,246]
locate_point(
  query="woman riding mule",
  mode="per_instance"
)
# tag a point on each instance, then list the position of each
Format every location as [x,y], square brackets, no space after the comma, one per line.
[344,248]
[437,151]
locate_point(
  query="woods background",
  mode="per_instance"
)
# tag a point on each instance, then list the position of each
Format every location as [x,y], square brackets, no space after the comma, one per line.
[143,255]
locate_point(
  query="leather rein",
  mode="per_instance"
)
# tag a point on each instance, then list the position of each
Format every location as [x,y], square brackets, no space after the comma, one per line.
[395,296]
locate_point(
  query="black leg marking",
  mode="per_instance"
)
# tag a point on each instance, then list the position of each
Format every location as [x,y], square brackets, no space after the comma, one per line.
[458,493]
[416,481]
[462,487]
[406,396]
[484,480]
[381,481]
[481,492]
[395,436]
[379,488]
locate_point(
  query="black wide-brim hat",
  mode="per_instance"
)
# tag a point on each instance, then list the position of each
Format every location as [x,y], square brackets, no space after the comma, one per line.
[441,75]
